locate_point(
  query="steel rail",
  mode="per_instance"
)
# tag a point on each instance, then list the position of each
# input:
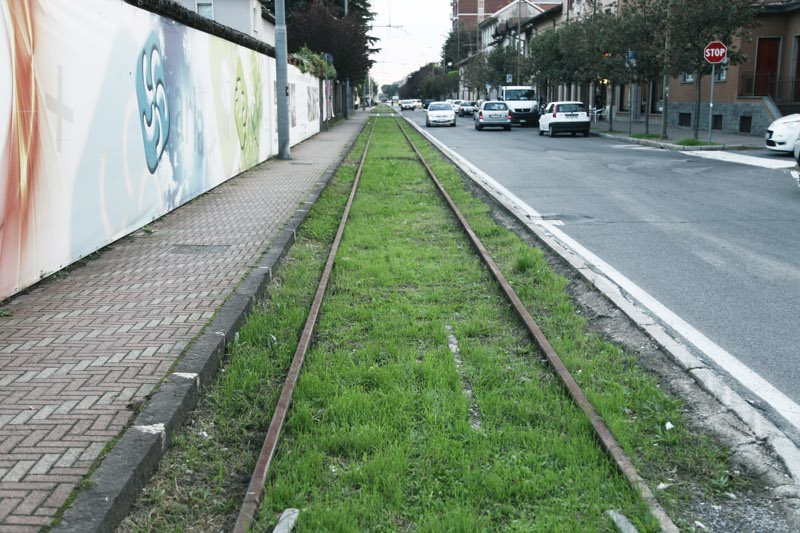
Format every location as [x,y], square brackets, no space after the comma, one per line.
[604,435]
[253,496]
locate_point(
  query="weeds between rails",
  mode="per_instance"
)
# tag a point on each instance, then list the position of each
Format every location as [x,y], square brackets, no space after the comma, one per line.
[380,435]
[609,444]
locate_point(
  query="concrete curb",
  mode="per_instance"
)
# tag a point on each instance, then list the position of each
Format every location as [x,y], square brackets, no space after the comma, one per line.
[760,426]
[673,147]
[116,483]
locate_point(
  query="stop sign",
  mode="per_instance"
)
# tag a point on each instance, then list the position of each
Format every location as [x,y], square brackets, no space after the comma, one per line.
[715,52]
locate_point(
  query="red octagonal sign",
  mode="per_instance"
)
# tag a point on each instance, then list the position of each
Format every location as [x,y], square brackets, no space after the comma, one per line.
[715,52]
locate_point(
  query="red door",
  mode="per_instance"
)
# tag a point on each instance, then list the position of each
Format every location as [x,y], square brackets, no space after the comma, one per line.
[796,73]
[767,66]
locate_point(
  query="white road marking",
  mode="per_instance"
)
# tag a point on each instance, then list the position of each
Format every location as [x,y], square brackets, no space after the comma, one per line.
[751,380]
[763,162]
[796,176]
[634,147]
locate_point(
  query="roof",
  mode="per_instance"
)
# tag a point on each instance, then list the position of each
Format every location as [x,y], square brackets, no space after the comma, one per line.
[512,7]
[780,6]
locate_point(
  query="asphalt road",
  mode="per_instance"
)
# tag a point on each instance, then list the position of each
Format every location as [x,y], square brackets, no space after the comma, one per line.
[715,242]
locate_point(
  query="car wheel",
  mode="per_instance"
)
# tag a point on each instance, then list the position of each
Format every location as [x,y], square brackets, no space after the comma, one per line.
[541,132]
[585,133]
[550,132]
[479,127]
[427,124]
[506,128]
[574,133]
[454,124]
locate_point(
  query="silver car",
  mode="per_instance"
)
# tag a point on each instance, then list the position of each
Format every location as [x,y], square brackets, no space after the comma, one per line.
[440,114]
[493,114]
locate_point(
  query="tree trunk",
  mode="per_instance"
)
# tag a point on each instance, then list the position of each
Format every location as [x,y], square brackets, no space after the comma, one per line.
[649,86]
[697,94]
[611,109]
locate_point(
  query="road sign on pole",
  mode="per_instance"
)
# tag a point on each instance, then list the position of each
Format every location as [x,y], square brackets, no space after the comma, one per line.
[715,53]
[509,78]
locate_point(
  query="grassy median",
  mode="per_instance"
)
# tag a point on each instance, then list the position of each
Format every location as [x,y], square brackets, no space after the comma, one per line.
[388,429]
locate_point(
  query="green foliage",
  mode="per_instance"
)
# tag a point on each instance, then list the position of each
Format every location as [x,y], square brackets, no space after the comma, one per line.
[440,86]
[476,74]
[460,43]
[390,89]
[321,26]
[313,63]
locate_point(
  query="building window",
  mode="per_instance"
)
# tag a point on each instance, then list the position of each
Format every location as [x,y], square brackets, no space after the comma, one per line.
[722,73]
[684,119]
[205,9]
[687,77]
[745,124]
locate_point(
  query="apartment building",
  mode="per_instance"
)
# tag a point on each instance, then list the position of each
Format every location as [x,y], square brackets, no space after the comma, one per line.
[749,96]
[471,12]
[247,16]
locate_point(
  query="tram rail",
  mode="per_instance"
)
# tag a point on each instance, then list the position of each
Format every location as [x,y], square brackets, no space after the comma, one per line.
[255,491]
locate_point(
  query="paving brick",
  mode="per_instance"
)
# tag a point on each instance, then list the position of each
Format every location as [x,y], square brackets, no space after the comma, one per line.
[7,505]
[80,349]
[19,471]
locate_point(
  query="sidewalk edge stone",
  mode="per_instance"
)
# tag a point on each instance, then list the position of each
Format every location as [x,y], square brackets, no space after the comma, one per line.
[670,146]
[111,490]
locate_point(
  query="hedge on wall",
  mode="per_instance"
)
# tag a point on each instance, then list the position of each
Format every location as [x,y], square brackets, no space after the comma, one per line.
[313,63]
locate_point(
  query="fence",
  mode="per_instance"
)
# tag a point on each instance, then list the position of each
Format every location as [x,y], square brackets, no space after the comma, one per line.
[117,116]
[782,92]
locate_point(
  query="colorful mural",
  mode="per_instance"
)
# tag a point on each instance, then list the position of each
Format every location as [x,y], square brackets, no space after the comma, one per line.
[111,116]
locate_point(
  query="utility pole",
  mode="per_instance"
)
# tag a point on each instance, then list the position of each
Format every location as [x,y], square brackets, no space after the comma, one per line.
[347,81]
[282,79]
[519,38]
[665,97]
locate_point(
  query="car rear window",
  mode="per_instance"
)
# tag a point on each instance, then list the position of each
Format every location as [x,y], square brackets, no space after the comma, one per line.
[440,107]
[495,107]
[467,103]
[569,108]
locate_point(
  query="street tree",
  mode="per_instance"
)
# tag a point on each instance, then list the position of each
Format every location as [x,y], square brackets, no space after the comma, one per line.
[321,26]
[476,74]
[642,30]
[458,45]
[390,89]
[694,24]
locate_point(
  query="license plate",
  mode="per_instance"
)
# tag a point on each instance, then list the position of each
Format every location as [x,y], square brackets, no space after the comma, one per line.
[495,116]
[523,121]
[572,115]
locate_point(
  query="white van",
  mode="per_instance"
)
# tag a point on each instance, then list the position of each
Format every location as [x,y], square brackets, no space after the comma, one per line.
[522,103]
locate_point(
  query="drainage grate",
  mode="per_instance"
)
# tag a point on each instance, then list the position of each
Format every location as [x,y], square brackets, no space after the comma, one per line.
[198,249]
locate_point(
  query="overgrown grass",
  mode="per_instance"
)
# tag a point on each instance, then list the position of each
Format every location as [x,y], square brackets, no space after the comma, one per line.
[646,136]
[383,109]
[379,434]
[691,141]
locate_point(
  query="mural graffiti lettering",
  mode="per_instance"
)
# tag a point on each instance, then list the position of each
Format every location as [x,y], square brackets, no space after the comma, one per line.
[152,96]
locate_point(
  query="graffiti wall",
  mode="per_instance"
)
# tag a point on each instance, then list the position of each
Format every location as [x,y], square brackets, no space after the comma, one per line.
[111,116]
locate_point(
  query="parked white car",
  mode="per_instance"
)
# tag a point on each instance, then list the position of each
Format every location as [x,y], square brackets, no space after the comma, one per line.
[440,114]
[783,134]
[565,117]
[456,106]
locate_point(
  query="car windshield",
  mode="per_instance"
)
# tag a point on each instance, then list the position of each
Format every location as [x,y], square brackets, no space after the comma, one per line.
[495,107]
[520,94]
[440,107]
[408,101]
[570,108]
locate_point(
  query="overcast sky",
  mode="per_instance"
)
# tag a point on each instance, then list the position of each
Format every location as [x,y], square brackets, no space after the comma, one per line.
[425,24]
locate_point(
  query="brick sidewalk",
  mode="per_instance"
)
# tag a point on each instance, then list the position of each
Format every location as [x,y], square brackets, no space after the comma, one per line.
[81,349]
